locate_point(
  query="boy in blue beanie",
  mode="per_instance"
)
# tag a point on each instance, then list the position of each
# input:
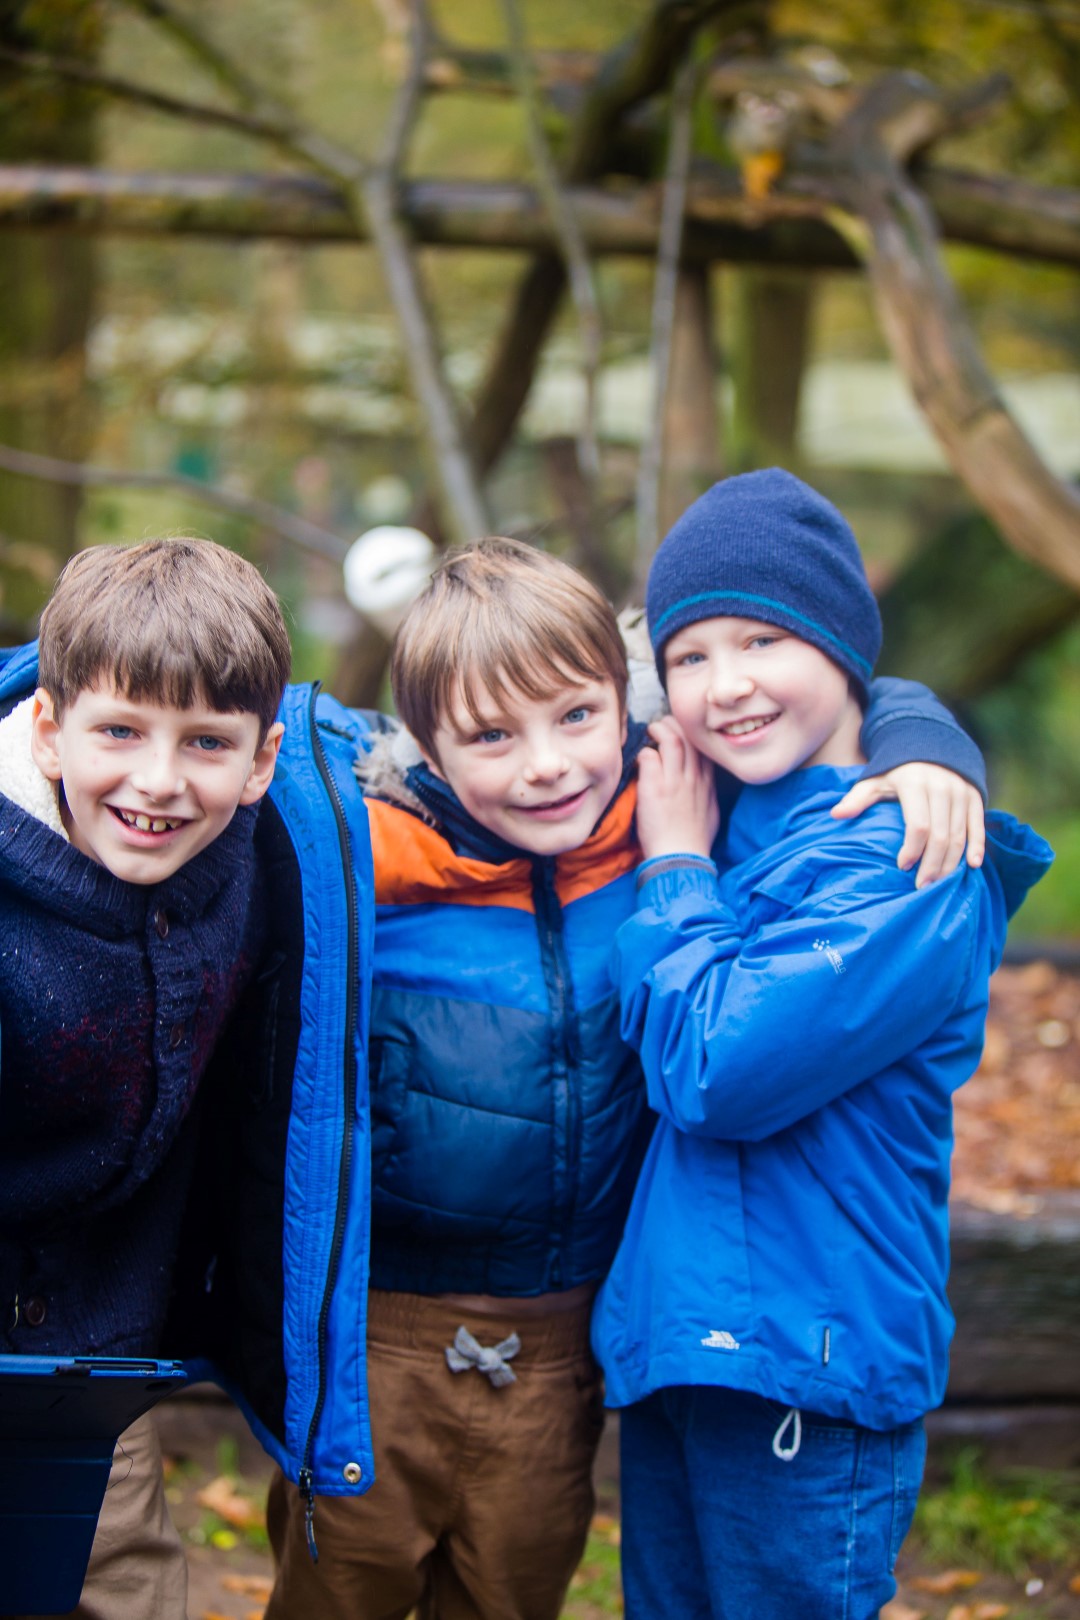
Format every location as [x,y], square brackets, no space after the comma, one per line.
[775,1324]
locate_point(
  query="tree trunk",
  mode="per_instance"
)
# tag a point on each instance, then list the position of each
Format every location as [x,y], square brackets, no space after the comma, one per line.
[692,456]
[770,332]
[46,298]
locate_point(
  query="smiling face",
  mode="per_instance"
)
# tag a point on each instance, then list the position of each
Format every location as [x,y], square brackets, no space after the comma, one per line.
[538,772]
[148,786]
[758,701]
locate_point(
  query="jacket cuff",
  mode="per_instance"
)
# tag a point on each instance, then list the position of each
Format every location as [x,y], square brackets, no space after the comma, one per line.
[667,876]
[900,739]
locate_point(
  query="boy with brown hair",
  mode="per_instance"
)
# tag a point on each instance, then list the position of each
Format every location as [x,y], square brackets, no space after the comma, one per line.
[508,1118]
[129,784]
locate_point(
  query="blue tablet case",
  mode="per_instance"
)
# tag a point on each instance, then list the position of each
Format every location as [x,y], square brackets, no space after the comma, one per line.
[60,1418]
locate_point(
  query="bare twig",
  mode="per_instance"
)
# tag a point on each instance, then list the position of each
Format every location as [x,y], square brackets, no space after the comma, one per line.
[76,72]
[297,529]
[370,196]
[568,231]
[377,197]
[665,291]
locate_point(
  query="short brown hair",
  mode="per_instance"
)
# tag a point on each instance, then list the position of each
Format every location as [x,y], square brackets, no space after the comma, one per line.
[178,621]
[502,615]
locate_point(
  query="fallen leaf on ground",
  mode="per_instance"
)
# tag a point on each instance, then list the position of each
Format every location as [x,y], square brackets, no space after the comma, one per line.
[950,1580]
[990,1611]
[256,1586]
[1074,1584]
[222,1497]
[900,1611]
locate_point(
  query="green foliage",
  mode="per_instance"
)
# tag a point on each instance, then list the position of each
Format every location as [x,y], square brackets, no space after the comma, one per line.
[1008,1522]
[596,1589]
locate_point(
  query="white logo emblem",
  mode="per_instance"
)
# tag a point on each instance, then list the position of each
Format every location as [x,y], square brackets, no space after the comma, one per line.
[832,955]
[720,1339]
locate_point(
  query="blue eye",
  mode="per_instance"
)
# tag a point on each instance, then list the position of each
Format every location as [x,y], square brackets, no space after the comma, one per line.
[118,733]
[576,716]
[764,641]
[688,659]
[209,745]
[492,735]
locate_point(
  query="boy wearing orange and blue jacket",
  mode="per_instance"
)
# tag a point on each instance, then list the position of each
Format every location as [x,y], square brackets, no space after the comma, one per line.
[508,1117]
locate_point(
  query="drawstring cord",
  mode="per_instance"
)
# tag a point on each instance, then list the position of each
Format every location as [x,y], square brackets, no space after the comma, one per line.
[786,1453]
[466,1352]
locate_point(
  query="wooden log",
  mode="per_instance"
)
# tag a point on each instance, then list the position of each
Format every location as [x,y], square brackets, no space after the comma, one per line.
[1015,1289]
[789,227]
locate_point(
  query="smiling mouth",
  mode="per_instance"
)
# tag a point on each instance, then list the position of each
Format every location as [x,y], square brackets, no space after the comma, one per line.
[144,823]
[553,806]
[747,727]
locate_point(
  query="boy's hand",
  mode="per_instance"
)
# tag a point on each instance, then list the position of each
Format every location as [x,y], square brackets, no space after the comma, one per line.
[941,813]
[677,812]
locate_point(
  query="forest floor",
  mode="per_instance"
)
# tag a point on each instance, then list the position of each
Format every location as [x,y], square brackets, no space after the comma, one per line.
[989,1543]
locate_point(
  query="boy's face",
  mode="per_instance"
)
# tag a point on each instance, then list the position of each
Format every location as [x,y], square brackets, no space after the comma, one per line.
[147,786]
[758,701]
[539,772]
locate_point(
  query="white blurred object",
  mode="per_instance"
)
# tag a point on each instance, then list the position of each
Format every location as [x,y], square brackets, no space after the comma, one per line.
[385,571]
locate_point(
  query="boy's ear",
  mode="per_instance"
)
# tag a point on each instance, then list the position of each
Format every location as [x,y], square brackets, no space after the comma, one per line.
[45,735]
[262,766]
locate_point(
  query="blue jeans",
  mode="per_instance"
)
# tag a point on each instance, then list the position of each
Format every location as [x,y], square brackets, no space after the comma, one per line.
[732,1508]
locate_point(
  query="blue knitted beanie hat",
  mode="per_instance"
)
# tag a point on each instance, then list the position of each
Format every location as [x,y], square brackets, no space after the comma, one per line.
[764,545]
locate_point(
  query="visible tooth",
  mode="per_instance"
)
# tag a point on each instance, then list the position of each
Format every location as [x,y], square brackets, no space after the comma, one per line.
[160,826]
[143,823]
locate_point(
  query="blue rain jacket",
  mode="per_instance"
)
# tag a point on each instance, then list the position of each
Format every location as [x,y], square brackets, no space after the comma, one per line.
[803,1018]
[272,1278]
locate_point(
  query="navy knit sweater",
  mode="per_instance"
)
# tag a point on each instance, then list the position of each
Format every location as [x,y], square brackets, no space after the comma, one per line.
[112,995]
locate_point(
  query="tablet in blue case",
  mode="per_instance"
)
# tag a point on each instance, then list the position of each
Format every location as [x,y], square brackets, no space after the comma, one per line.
[60,1419]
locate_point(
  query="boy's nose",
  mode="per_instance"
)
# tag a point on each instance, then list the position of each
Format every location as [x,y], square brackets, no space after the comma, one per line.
[728,683]
[160,778]
[546,762]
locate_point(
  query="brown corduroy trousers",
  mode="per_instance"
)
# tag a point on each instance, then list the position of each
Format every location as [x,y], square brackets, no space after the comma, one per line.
[482,1497]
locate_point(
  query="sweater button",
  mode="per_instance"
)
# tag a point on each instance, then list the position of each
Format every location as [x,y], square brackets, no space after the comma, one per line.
[34,1311]
[176,1035]
[161,923]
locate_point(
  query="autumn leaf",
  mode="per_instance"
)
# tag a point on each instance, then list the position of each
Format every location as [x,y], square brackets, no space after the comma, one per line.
[950,1580]
[256,1586]
[896,1610]
[222,1497]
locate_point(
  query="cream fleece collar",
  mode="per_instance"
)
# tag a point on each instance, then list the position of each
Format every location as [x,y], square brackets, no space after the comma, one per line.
[20,779]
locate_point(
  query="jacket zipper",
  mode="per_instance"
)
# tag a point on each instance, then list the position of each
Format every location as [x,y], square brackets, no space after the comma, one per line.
[305,1476]
[549,920]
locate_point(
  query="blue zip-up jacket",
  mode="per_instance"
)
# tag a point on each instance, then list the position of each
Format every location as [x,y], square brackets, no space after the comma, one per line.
[803,1016]
[508,1118]
[272,1288]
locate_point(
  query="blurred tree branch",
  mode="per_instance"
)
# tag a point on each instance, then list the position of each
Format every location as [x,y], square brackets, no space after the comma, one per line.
[51,470]
[665,290]
[929,333]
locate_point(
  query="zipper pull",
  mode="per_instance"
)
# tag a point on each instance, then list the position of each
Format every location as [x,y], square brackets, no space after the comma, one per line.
[305,1480]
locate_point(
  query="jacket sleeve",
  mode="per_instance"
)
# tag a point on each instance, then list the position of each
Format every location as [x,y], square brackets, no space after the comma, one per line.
[741,1037]
[906,722]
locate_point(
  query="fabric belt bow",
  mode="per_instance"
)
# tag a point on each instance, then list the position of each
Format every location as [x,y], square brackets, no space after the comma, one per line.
[466,1352]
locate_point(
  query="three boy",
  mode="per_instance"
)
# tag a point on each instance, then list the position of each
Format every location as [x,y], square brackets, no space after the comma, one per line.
[517,1221]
